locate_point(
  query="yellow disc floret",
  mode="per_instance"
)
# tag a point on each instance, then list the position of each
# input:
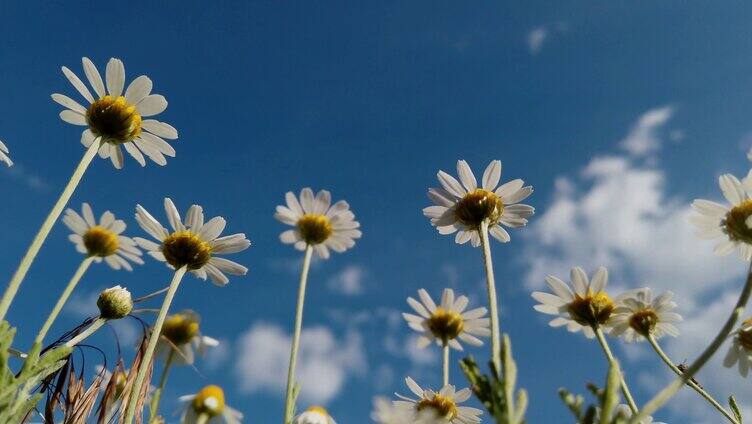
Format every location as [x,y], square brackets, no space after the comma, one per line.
[319,410]
[592,309]
[113,119]
[735,223]
[643,321]
[477,206]
[442,406]
[181,328]
[314,229]
[184,248]
[100,241]
[445,325]
[209,401]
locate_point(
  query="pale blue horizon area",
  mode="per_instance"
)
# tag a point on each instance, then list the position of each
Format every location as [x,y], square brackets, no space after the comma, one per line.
[369,101]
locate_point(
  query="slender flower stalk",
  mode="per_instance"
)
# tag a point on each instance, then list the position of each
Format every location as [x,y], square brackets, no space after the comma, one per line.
[612,360]
[654,343]
[492,299]
[44,230]
[63,298]
[141,375]
[670,390]
[296,335]
[96,325]
[445,351]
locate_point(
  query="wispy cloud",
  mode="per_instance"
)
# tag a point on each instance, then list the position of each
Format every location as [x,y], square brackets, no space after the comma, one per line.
[645,135]
[539,35]
[19,173]
[349,281]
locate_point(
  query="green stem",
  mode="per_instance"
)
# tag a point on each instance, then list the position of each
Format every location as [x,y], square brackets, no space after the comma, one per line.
[63,298]
[289,400]
[96,325]
[44,230]
[612,362]
[154,407]
[654,343]
[492,300]
[445,349]
[670,390]
[153,339]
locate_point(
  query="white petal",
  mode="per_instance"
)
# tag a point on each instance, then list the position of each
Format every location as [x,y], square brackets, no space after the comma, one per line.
[491,175]
[152,104]
[161,129]
[115,77]
[137,90]
[466,176]
[95,79]
[77,84]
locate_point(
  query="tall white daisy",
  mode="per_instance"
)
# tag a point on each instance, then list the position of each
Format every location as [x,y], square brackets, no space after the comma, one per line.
[181,336]
[586,307]
[461,207]
[116,117]
[192,243]
[442,406]
[315,415]
[447,322]
[102,239]
[740,351]
[318,223]
[731,223]
[4,158]
[208,406]
[638,314]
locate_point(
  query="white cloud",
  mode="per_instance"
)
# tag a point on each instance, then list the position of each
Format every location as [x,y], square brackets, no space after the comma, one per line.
[20,173]
[645,135]
[324,363]
[349,281]
[535,39]
[617,212]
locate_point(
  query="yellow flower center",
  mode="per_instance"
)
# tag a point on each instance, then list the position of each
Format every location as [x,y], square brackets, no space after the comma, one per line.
[184,248]
[114,119]
[591,310]
[643,321]
[100,241]
[479,205]
[210,401]
[443,406]
[745,336]
[120,379]
[180,328]
[445,325]
[319,410]
[314,229]
[735,222]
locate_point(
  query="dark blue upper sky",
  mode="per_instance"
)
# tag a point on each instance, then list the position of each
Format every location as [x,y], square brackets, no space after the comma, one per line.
[368,100]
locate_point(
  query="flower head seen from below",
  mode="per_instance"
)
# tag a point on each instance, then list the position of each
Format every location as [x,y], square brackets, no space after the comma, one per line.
[115,303]
[181,335]
[438,407]
[208,406]
[318,222]
[732,224]
[461,206]
[740,351]
[102,239]
[4,158]
[192,244]
[448,322]
[115,117]
[638,314]
[581,309]
[314,415]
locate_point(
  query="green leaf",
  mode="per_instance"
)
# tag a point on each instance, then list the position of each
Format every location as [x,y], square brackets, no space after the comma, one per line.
[735,409]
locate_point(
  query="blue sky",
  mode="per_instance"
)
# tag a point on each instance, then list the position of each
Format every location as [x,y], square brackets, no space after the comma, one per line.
[369,101]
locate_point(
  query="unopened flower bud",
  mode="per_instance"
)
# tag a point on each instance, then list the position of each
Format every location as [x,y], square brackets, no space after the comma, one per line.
[114,303]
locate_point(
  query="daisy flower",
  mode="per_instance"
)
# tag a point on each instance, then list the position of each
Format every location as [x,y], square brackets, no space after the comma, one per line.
[115,118]
[318,223]
[103,239]
[315,415]
[181,332]
[462,207]
[192,243]
[443,406]
[740,350]
[638,314]
[586,307]
[730,223]
[448,321]
[4,155]
[208,406]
